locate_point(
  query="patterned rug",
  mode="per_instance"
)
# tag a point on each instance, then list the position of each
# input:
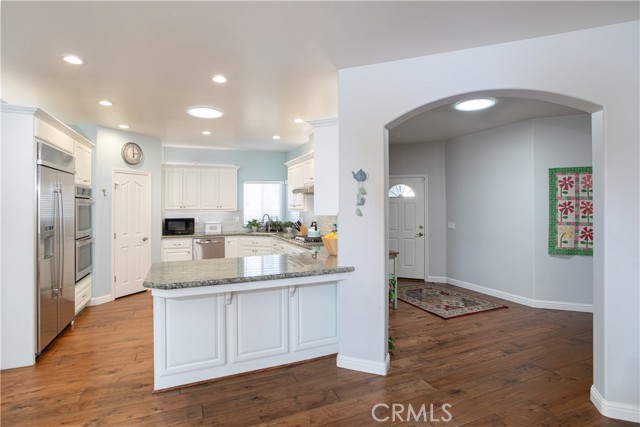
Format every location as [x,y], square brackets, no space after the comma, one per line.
[444,302]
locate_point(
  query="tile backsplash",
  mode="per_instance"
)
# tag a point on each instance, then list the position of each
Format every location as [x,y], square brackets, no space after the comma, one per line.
[228,219]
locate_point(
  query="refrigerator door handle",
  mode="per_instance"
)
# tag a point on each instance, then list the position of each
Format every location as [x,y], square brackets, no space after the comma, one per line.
[61,239]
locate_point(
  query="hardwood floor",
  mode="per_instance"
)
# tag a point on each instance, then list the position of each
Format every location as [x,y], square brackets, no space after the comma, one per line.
[511,367]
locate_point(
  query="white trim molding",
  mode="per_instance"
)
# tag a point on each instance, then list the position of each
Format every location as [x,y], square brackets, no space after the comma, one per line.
[529,302]
[363,365]
[101,300]
[437,279]
[619,411]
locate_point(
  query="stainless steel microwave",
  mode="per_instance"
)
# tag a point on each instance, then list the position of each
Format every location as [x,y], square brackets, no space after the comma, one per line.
[177,226]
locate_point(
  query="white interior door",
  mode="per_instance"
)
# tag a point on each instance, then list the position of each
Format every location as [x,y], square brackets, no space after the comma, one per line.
[407,226]
[132,229]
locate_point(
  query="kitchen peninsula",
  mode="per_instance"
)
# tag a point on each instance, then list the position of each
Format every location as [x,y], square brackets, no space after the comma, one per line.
[218,317]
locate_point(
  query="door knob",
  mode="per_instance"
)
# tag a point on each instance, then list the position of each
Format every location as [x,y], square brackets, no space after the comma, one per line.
[419,235]
[144,239]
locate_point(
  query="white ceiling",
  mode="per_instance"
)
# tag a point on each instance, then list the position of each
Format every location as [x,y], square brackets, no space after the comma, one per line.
[155,59]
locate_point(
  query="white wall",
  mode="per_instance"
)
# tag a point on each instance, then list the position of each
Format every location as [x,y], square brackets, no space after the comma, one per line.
[427,159]
[489,183]
[582,69]
[558,142]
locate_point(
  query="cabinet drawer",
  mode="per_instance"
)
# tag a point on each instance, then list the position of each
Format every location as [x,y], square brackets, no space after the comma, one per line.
[255,241]
[176,243]
[83,293]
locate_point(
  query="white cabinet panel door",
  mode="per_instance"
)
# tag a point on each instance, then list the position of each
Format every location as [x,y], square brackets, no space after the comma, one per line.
[259,324]
[191,189]
[228,189]
[314,316]
[173,189]
[195,333]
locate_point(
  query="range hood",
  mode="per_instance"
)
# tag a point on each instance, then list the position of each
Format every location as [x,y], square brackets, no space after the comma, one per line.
[305,189]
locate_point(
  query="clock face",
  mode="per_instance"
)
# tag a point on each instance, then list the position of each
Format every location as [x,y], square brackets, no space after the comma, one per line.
[131,153]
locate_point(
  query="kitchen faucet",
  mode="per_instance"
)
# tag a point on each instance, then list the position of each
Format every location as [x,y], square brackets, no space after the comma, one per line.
[268,223]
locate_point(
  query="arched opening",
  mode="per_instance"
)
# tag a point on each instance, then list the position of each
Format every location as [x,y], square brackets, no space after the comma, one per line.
[572,118]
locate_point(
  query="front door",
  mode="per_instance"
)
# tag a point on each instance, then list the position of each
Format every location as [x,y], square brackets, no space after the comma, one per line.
[132,229]
[407,225]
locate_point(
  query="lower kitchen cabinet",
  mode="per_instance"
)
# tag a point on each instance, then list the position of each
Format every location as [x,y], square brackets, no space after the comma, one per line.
[176,250]
[254,245]
[83,293]
[230,247]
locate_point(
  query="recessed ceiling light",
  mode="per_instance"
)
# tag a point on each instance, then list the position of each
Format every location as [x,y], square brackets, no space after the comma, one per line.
[73,59]
[276,137]
[123,126]
[206,132]
[298,120]
[475,104]
[105,103]
[219,78]
[204,112]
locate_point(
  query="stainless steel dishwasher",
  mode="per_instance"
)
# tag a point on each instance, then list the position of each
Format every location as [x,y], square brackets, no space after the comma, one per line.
[207,248]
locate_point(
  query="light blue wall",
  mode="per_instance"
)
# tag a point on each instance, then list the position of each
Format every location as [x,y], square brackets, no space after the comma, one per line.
[305,148]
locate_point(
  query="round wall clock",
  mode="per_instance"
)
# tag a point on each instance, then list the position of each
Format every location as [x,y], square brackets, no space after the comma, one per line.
[132,153]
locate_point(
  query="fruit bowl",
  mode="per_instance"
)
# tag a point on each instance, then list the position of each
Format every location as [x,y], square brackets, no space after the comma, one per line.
[331,245]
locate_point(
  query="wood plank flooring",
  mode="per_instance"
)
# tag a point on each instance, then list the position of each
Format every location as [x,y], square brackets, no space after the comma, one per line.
[511,367]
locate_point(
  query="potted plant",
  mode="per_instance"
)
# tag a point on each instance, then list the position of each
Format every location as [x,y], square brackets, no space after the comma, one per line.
[288,226]
[254,224]
[276,225]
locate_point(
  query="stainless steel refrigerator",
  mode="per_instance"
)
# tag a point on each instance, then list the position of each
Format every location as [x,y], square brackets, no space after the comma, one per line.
[56,243]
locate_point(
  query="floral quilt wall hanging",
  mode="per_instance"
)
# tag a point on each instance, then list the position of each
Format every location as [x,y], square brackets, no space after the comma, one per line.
[570,211]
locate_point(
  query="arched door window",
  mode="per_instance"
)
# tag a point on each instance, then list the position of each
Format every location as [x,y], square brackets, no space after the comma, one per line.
[401,190]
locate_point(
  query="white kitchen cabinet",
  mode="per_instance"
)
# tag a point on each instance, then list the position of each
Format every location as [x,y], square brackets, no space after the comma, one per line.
[308,172]
[200,188]
[82,156]
[278,246]
[176,250]
[83,293]
[254,245]
[181,188]
[325,196]
[230,247]
[300,172]
[219,189]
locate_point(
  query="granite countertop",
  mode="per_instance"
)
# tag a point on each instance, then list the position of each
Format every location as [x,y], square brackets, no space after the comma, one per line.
[282,236]
[224,271]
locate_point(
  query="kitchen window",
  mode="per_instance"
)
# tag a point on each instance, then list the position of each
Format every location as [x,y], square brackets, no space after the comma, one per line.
[263,197]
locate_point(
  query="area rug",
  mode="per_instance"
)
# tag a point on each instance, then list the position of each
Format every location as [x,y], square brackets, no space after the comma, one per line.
[443,302]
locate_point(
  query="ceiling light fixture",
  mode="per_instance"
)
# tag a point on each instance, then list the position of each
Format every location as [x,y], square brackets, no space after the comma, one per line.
[276,137]
[474,104]
[206,132]
[123,126]
[204,112]
[298,120]
[219,78]
[72,59]
[105,103]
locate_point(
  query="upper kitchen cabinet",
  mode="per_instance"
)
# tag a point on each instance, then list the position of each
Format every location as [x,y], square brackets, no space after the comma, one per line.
[325,137]
[202,188]
[220,189]
[300,179]
[83,164]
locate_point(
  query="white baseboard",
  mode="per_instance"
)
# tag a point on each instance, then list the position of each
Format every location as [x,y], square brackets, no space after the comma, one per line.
[101,300]
[529,302]
[363,365]
[437,279]
[619,411]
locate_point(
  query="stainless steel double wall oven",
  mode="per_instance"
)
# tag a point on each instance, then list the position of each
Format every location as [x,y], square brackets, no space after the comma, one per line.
[84,232]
